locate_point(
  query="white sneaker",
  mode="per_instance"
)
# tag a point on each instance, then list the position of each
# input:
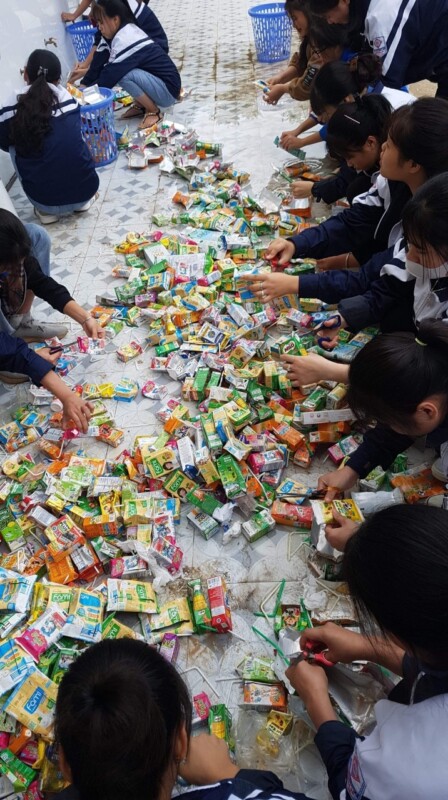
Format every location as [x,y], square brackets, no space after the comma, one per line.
[438,471]
[45,219]
[87,205]
[35,331]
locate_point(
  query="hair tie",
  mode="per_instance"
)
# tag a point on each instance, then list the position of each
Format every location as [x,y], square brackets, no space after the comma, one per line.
[422,344]
[43,71]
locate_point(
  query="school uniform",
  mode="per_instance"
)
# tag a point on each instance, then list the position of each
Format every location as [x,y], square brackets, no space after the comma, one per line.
[363,229]
[62,174]
[16,356]
[249,784]
[140,65]
[410,36]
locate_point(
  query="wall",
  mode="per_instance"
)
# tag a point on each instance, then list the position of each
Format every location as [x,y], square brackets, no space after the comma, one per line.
[27,25]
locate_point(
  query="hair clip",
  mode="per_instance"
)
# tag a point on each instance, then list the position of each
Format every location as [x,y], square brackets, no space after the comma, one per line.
[43,71]
[422,344]
[352,119]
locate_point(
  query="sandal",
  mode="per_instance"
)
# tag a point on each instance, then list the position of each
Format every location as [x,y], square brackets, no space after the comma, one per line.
[133,111]
[156,116]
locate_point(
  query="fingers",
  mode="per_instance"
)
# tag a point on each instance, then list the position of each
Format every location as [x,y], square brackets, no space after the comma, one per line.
[339,518]
[101,333]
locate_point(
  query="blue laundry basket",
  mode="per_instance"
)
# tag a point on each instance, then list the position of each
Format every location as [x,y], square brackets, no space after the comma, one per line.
[272,32]
[82,36]
[98,129]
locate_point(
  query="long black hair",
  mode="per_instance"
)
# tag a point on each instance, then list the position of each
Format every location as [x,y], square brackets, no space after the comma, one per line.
[353,123]
[118,711]
[31,122]
[420,132]
[112,8]
[338,79]
[303,6]
[396,567]
[395,372]
[425,216]
[15,244]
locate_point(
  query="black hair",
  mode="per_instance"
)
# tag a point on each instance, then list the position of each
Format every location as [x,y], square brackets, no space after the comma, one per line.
[15,243]
[303,6]
[353,123]
[322,6]
[322,35]
[420,132]
[338,79]
[31,122]
[425,216]
[396,567]
[396,372]
[113,8]
[119,708]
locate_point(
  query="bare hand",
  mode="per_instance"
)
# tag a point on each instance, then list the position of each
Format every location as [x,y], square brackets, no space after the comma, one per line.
[308,679]
[67,17]
[291,142]
[340,480]
[208,761]
[339,643]
[328,335]
[93,330]
[302,189]
[53,358]
[76,412]
[303,370]
[285,134]
[269,285]
[282,249]
[340,531]
[274,94]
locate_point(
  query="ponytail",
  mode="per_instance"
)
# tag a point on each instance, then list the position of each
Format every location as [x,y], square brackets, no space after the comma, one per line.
[337,80]
[31,122]
[396,372]
[420,132]
[353,123]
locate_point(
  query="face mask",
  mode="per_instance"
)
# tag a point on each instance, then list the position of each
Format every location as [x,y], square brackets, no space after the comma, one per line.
[418,271]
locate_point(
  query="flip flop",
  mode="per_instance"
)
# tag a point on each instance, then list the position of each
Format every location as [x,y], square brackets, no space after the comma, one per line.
[133,111]
[156,115]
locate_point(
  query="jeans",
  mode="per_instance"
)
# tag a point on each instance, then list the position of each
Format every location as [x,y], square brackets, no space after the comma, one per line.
[40,249]
[138,82]
[57,211]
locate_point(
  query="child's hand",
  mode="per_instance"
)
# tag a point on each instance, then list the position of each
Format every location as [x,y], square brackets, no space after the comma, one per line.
[340,644]
[67,17]
[269,285]
[308,680]
[302,189]
[273,81]
[328,335]
[285,135]
[340,480]
[53,358]
[76,412]
[291,142]
[93,330]
[207,761]
[274,95]
[340,531]
[303,370]
[281,249]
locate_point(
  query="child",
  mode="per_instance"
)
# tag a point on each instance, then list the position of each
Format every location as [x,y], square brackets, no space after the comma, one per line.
[18,363]
[411,38]
[339,82]
[320,43]
[123,724]
[395,567]
[355,135]
[136,62]
[41,128]
[21,277]
[400,380]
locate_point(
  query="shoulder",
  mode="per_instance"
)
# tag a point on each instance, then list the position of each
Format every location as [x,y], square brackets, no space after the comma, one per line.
[239,789]
[397,98]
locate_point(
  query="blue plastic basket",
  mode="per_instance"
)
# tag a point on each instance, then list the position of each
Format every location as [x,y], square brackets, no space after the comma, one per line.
[272,32]
[98,129]
[82,35]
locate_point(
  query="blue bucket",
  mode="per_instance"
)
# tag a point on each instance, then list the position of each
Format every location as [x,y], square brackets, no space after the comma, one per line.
[83,36]
[272,32]
[98,129]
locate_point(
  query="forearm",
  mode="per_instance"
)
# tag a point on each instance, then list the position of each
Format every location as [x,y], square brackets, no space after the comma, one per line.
[313,138]
[82,6]
[320,709]
[76,312]
[56,386]
[382,652]
[287,75]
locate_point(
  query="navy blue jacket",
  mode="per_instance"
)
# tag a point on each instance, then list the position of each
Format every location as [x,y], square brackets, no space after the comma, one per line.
[341,185]
[63,173]
[363,229]
[131,49]
[16,356]
[410,36]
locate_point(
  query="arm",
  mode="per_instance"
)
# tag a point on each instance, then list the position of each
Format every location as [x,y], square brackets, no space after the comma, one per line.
[334,188]
[336,285]
[379,448]
[83,6]
[99,60]
[384,294]
[16,356]
[300,88]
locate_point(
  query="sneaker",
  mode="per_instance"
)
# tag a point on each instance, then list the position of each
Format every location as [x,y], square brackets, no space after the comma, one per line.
[13,377]
[34,331]
[438,471]
[87,205]
[45,219]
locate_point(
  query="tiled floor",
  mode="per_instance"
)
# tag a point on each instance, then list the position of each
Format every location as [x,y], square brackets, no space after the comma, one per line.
[212,44]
